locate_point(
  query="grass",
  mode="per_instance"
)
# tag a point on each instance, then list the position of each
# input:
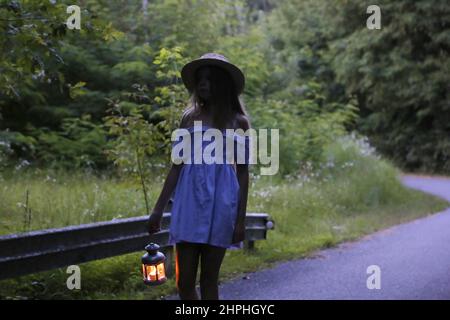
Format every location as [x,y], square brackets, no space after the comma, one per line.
[352,195]
[58,198]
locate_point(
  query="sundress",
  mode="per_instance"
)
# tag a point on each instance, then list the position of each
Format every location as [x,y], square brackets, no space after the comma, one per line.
[206,197]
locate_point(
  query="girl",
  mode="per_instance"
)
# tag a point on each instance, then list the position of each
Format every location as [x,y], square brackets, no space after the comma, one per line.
[210,200]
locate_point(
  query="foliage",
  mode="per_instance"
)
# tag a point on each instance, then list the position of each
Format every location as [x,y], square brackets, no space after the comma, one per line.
[75,146]
[304,129]
[32,32]
[313,61]
[35,92]
[140,144]
[400,76]
[146,122]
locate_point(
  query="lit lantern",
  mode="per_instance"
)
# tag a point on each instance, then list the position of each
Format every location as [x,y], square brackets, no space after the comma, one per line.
[153,268]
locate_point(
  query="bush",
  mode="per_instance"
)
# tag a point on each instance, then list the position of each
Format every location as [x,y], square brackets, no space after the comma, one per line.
[305,128]
[79,144]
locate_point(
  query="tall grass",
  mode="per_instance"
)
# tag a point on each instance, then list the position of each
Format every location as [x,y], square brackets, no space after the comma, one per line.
[354,193]
[58,198]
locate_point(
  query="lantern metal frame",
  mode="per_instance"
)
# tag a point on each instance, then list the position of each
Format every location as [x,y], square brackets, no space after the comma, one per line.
[153,265]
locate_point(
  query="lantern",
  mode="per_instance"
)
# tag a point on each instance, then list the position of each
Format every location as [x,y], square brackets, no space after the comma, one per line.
[153,268]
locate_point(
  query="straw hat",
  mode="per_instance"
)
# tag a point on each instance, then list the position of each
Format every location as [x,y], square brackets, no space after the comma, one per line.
[215,59]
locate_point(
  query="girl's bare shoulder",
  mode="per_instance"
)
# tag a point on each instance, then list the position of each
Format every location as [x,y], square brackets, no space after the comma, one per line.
[242,122]
[187,117]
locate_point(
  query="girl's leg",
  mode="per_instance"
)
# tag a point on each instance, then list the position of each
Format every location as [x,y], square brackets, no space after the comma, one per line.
[211,260]
[187,256]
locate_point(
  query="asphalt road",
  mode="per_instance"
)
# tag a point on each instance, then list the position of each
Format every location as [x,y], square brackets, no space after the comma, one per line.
[413,261]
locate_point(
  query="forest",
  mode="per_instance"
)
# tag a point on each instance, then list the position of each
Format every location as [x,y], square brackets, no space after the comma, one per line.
[86,115]
[314,62]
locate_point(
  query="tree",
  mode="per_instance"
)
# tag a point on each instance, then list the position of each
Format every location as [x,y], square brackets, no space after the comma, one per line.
[400,76]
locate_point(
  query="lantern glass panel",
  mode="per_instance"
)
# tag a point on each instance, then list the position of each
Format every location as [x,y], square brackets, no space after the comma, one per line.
[151,273]
[161,271]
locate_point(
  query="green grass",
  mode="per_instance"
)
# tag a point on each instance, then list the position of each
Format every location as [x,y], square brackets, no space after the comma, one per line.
[58,199]
[353,195]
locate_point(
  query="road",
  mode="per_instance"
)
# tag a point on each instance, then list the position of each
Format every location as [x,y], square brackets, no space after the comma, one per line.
[413,260]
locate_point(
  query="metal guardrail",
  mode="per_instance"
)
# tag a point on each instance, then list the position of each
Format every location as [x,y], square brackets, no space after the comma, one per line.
[42,250]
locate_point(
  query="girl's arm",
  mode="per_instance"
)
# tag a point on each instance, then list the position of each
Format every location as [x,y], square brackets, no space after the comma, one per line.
[243,179]
[168,188]
[154,223]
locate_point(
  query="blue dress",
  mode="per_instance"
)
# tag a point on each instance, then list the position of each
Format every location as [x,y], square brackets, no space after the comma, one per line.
[206,197]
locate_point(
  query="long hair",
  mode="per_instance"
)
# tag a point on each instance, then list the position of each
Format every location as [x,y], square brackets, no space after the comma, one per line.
[225,102]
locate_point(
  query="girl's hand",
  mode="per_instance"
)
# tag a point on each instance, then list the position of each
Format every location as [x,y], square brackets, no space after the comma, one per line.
[239,233]
[154,223]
